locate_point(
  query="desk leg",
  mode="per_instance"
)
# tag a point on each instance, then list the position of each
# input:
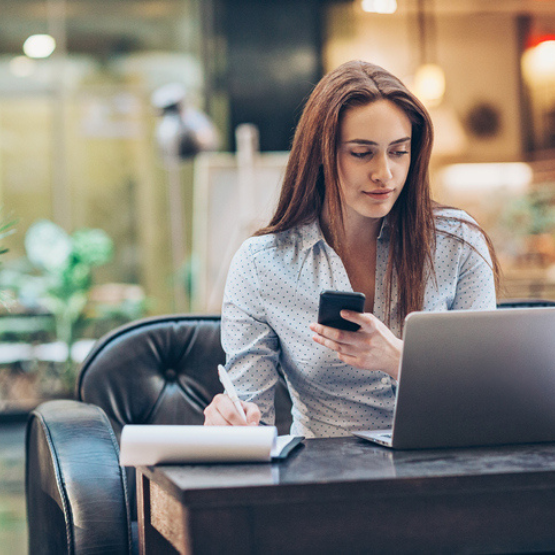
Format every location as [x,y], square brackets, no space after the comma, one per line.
[150,540]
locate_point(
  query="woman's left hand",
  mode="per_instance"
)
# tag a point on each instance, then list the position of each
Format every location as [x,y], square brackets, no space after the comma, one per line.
[372,347]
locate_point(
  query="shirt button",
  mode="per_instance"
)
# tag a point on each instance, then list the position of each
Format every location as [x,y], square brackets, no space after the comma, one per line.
[385,381]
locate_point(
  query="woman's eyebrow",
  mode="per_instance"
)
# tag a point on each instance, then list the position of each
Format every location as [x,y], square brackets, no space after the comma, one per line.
[366,142]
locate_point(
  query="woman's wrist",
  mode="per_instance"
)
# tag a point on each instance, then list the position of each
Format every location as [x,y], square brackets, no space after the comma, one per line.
[393,367]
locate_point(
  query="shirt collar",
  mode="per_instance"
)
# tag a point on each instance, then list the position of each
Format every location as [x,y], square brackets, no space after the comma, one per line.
[312,233]
[385,229]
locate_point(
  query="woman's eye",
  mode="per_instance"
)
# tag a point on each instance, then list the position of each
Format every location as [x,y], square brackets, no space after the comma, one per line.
[361,154]
[399,153]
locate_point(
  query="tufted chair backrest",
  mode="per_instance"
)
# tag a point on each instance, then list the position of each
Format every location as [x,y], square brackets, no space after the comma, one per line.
[160,370]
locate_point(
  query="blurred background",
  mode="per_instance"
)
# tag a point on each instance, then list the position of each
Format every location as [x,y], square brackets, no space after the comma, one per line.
[141,141]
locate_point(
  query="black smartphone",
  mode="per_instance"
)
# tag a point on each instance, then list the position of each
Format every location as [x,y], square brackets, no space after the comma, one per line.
[333,302]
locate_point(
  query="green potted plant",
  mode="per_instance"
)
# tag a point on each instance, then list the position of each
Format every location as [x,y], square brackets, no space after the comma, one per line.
[532,217]
[62,275]
[6,228]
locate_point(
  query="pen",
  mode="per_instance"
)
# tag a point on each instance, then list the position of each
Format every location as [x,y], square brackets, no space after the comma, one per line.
[230,390]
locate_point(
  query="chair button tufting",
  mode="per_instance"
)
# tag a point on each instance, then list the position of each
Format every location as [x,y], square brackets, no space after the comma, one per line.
[171,374]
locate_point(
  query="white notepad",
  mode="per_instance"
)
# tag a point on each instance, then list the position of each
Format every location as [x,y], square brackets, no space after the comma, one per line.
[147,445]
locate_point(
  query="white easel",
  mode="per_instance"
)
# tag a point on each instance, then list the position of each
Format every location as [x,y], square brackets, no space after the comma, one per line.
[247,139]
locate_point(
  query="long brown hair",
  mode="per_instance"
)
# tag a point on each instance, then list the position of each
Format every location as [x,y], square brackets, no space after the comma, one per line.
[311,177]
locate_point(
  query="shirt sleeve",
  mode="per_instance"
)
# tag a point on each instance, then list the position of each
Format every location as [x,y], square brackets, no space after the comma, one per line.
[475,283]
[251,345]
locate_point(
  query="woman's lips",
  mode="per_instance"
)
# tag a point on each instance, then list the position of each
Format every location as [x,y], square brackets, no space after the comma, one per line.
[381,194]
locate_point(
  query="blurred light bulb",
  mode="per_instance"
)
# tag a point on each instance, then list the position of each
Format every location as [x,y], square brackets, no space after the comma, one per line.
[429,84]
[39,46]
[379,6]
[539,62]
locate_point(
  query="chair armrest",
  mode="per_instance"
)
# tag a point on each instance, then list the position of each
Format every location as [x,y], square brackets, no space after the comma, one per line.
[75,489]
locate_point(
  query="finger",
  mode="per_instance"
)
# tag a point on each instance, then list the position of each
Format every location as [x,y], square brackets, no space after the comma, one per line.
[222,412]
[252,412]
[213,418]
[212,414]
[233,414]
[333,334]
[364,319]
[343,348]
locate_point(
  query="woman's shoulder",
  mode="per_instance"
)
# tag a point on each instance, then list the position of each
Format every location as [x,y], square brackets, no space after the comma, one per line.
[282,240]
[447,216]
[454,223]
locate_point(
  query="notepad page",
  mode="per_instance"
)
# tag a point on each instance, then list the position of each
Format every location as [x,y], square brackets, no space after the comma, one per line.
[156,444]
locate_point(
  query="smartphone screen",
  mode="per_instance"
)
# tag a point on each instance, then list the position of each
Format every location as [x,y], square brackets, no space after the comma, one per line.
[333,302]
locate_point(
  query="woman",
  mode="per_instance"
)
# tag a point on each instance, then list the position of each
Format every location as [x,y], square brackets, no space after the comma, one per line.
[355,213]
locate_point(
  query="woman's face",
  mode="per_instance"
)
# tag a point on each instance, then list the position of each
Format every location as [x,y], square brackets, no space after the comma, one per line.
[373,158]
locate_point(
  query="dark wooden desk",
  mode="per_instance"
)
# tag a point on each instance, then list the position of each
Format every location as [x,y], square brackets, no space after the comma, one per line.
[349,496]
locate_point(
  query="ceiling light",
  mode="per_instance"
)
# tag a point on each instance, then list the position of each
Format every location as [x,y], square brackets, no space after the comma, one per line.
[539,62]
[39,46]
[379,6]
[429,84]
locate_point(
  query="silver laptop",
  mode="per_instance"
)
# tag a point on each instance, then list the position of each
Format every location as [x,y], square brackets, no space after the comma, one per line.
[471,378]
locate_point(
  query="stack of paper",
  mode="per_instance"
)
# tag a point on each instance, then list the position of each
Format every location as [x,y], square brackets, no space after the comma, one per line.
[146,445]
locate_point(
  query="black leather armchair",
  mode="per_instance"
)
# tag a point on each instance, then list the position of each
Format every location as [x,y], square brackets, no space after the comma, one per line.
[155,371]
[525,303]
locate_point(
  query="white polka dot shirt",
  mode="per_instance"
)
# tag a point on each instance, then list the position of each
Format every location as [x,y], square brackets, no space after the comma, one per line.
[272,295]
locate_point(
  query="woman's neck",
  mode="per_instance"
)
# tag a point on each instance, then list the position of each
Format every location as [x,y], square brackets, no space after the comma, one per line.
[356,247]
[358,232]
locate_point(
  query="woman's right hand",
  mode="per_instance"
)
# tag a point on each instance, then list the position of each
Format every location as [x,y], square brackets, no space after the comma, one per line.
[222,412]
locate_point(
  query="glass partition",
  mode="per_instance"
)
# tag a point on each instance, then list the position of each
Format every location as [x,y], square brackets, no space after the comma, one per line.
[77,127]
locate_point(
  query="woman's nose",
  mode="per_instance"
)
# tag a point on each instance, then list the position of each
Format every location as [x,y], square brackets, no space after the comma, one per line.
[381,170]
